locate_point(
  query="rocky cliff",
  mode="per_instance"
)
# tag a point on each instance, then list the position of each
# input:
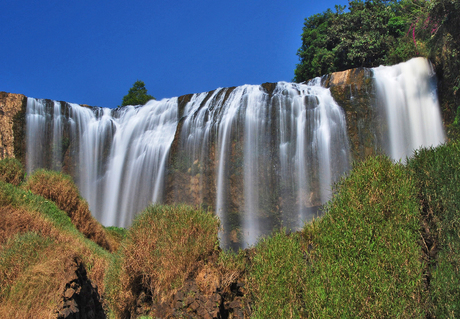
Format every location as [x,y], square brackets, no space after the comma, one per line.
[12,125]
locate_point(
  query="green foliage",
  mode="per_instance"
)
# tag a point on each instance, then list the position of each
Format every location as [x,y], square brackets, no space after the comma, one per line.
[277,277]
[444,43]
[437,173]
[371,33]
[11,171]
[137,95]
[365,260]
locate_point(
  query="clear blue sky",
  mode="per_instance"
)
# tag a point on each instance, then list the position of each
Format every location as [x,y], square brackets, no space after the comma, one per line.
[91,52]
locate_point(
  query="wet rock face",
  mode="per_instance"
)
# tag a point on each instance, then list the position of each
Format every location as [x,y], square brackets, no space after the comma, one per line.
[80,298]
[12,125]
[354,91]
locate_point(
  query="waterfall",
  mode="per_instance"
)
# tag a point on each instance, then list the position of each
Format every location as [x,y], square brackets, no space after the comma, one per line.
[313,146]
[259,156]
[120,156]
[410,103]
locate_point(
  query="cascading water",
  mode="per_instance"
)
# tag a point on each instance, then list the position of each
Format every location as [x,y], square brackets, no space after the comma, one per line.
[408,94]
[233,132]
[261,156]
[313,146]
[120,159]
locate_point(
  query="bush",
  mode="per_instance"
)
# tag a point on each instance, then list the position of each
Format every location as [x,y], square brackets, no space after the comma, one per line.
[163,246]
[11,171]
[365,260]
[62,190]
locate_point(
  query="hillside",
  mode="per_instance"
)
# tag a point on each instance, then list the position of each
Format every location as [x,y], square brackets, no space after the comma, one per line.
[388,245]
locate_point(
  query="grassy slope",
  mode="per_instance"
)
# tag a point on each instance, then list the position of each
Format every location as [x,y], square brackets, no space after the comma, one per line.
[361,259]
[387,246]
[437,172]
[37,239]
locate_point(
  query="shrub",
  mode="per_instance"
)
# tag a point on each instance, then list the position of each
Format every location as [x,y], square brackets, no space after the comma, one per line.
[365,260]
[11,171]
[163,246]
[62,190]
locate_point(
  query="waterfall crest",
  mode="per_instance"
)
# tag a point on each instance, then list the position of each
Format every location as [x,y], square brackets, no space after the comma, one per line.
[259,156]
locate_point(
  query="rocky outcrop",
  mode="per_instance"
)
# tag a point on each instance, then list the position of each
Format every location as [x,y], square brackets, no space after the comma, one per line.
[80,298]
[12,125]
[354,91]
[203,295]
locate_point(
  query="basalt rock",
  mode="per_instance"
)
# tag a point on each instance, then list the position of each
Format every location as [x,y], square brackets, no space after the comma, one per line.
[80,298]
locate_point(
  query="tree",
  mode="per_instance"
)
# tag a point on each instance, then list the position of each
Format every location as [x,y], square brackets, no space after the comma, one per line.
[371,33]
[137,95]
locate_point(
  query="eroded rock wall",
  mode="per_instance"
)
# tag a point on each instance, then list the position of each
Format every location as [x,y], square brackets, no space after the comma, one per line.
[354,91]
[12,125]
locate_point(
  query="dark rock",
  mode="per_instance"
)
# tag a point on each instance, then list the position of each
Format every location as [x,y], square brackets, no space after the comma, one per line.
[80,298]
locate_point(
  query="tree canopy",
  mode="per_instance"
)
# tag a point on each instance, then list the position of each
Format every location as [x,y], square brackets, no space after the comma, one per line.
[375,32]
[137,95]
[371,33]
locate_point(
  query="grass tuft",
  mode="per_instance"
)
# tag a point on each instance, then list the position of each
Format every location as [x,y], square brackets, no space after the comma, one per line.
[11,171]
[161,249]
[61,189]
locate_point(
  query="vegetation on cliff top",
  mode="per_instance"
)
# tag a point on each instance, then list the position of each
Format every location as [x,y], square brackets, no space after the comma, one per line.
[137,95]
[375,32]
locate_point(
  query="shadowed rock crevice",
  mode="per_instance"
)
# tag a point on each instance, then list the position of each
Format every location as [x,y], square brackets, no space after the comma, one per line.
[80,298]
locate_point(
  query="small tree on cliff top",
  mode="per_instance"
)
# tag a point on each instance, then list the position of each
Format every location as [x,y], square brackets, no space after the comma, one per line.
[137,95]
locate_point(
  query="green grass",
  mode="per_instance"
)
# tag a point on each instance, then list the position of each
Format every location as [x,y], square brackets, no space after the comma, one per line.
[437,172]
[360,260]
[277,276]
[365,260]
[11,171]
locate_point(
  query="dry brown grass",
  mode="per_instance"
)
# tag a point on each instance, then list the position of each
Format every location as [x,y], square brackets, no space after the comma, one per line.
[18,221]
[161,250]
[11,171]
[62,190]
[35,281]
[15,221]
[208,279]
